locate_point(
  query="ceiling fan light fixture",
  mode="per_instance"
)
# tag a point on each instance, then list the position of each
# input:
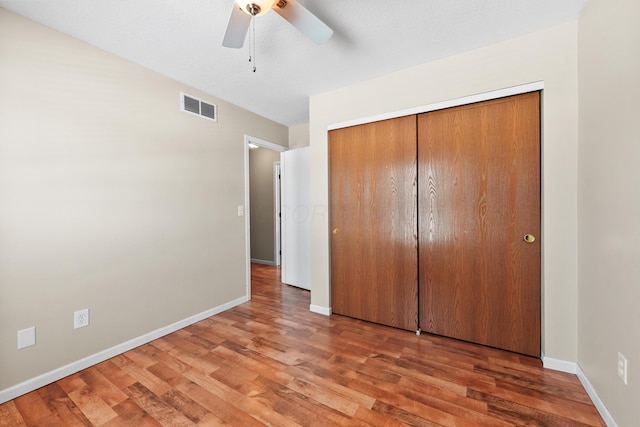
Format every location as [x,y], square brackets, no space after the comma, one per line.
[295,13]
[256,7]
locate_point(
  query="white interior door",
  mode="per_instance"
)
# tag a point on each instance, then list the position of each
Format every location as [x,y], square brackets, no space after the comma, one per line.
[296,217]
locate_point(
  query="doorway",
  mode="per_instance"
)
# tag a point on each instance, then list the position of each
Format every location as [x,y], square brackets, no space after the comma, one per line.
[261,205]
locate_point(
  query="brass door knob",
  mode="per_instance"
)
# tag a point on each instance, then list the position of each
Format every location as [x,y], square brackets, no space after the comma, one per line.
[335,231]
[529,238]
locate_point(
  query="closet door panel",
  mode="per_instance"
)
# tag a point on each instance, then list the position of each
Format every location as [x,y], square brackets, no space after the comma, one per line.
[479,183]
[373,220]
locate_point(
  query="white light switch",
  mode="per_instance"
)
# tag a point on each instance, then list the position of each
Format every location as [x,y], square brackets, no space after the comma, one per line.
[26,337]
[240,210]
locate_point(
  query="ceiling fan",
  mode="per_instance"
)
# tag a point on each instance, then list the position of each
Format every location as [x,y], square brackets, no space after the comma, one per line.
[297,15]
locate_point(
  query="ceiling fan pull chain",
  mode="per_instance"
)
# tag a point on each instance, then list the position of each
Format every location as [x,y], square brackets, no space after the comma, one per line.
[252,43]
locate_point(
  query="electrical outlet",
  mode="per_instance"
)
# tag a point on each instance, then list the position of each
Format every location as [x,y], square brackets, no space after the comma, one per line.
[81,318]
[623,366]
[26,337]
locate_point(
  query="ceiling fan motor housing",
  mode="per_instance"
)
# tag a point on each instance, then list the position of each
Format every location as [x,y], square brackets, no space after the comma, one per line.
[256,7]
[253,9]
[292,11]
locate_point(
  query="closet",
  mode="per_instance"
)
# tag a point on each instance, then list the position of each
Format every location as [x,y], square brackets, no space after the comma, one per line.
[373,215]
[435,222]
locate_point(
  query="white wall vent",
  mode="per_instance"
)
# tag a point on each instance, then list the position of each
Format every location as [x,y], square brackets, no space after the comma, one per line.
[192,105]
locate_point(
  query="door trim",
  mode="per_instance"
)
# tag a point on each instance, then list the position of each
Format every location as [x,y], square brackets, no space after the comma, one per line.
[248,139]
[277,209]
[484,96]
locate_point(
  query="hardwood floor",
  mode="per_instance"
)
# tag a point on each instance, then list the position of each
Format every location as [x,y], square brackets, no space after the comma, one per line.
[272,362]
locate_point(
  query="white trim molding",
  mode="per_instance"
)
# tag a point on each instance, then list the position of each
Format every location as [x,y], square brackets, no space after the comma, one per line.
[485,96]
[574,368]
[73,367]
[320,310]
[262,261]
[559,365]
[266,144]
[597,402]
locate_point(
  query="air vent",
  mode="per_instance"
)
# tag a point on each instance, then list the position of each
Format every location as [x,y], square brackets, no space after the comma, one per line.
[192,105]
[208,110]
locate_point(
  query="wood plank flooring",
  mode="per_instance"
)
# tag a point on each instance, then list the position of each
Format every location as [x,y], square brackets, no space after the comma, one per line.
[272,362]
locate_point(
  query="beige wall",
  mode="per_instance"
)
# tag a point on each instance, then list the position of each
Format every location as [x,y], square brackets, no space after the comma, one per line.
[110,199]
[549,56]
[609,201]
[299,136]
[262,203]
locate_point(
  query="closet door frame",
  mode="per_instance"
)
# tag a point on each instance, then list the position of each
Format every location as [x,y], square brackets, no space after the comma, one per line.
[465,100]
[457,102]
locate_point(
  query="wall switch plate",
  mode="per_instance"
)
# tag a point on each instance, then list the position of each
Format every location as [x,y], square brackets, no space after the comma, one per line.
[81,318]
[240,210]
[26,337]
[622,368]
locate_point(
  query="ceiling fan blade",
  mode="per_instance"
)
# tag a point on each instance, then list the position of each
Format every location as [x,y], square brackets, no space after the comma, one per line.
[305,21]
[237,28]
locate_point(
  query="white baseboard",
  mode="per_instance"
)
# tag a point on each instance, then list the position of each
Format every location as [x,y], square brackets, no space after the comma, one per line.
[559,365]
[597,402]
[73,367]
[320,310]
[59,373]
[262,261]
[574,368]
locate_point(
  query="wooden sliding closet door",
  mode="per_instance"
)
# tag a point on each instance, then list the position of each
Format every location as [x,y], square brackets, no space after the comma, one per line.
[373,219]
[479,181]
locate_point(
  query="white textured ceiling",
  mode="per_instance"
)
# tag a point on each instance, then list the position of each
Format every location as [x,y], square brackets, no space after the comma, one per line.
[182,39]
